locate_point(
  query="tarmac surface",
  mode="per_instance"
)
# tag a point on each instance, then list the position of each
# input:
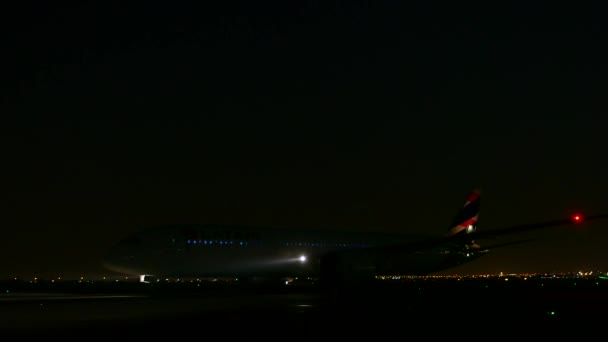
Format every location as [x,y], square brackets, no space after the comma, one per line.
[413,308]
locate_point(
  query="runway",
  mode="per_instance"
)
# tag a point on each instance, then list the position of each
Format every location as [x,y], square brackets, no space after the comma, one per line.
[44,297]
[307,312]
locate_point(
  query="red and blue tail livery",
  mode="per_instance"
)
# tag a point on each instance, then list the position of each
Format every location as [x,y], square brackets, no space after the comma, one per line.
[465,221]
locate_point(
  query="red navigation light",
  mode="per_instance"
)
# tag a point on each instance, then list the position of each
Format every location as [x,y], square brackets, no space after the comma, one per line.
[577,218]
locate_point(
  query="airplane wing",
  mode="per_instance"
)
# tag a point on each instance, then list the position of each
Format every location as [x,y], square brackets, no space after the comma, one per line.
[576,219]
[477,235]
[505,244]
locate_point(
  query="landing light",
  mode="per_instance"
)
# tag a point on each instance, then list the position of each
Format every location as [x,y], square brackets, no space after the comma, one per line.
[303,259]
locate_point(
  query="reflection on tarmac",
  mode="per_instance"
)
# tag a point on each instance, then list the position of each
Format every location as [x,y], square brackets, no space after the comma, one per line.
[353,312]
[42,297]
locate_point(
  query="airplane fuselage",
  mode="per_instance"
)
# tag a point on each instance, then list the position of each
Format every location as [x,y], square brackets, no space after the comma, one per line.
[216,251]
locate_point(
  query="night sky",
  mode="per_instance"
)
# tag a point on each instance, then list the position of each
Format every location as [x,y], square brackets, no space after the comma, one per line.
[352,115]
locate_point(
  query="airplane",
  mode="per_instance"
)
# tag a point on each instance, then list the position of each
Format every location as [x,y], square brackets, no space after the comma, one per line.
[333,257]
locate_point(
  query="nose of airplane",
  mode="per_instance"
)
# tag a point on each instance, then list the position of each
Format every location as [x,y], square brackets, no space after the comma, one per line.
[118,259]
[110,261]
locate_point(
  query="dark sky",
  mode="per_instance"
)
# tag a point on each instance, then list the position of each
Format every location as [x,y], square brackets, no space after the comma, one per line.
[354,115]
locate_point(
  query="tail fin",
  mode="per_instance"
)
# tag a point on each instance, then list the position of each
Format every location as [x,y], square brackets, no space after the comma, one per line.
[465,221]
